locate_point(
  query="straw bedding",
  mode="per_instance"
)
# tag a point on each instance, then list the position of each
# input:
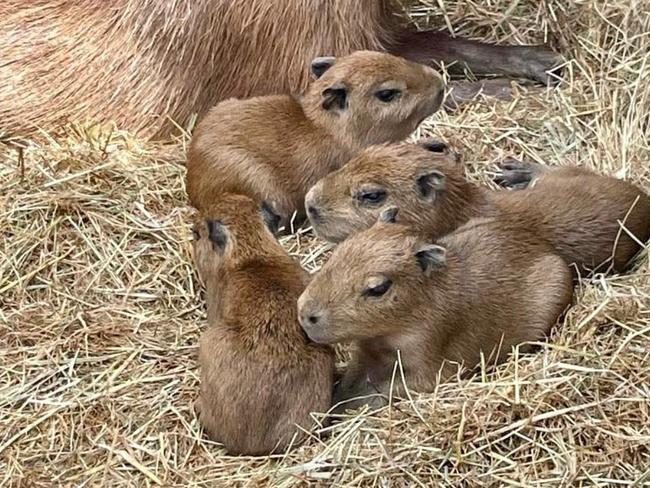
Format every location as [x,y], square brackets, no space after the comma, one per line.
[101,308]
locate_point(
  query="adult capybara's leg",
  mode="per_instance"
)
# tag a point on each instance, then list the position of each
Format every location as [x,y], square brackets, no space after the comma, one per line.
[461,55]
[461,91]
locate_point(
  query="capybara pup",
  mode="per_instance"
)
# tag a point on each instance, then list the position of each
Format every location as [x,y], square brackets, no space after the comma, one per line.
[261,377]
[482,289]
[580,212]
[275,148]
[151,65]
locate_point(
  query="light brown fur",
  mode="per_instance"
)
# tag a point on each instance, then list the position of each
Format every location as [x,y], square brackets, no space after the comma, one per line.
[143,63]
[275,148]
[261,377]
[494,288]
[574,209]
[138,61]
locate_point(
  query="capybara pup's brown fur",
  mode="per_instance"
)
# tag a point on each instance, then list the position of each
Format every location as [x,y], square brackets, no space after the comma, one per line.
[275,148]
[150,65]
[581,213]
[482,289]
[261,377]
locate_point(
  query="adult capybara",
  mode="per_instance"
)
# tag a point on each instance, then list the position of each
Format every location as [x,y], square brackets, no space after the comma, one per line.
[261,377]
[480,290]
[274,148]
[144,64]
[595,222]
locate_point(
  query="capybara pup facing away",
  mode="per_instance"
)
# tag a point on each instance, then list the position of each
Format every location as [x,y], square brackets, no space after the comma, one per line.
[581,213]
[483,289]
[261,377]
[275,148]
[145,64]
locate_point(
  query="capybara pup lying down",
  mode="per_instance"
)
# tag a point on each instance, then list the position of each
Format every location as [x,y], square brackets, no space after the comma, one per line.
[482,289]
[275,148]
[595,222]
[261,377]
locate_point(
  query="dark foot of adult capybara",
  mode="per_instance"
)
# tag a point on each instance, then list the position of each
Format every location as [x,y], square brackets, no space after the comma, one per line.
[461,56]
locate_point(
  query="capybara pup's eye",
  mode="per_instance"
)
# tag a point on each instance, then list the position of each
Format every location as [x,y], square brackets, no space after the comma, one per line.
[387,95]
[379,289]
[373,196]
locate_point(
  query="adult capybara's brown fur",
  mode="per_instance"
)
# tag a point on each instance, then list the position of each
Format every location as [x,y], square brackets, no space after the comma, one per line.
[144,63]
[578,211]
[261,377]
[138,61]
[275,148]
[482,289]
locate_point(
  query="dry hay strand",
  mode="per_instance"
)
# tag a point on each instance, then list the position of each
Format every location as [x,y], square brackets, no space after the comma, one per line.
[101,308]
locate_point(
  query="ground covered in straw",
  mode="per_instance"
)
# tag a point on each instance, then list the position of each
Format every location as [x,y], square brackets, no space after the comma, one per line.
[101,308]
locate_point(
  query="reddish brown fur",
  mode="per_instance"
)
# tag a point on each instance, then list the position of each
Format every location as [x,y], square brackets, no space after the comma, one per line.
[497,287]
[260,375]
[275,148]
[576,210]
[144,62]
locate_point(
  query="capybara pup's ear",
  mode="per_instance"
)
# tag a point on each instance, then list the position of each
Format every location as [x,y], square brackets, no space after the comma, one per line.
[271,217]
[430,182]
[321,64]
[437,146]
[388,215]
[218,234]
[430,257]
[434,145]
[335,97]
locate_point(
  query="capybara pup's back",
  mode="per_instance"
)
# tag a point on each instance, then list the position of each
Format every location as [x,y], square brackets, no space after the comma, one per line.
[261,377]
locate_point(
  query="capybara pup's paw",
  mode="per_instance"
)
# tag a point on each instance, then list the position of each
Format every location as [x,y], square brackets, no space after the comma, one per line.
[516,174]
